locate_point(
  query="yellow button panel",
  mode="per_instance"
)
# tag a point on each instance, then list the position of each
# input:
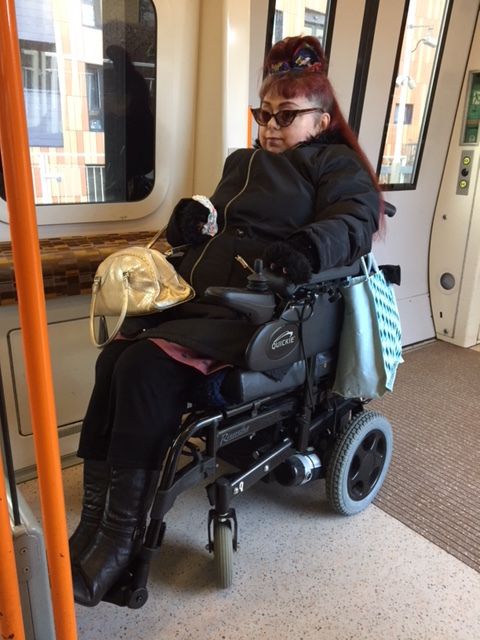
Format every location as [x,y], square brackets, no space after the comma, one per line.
[463,183]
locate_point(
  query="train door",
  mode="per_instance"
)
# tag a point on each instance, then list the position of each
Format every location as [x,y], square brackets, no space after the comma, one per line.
[397,69]
[455,241]
[418,58]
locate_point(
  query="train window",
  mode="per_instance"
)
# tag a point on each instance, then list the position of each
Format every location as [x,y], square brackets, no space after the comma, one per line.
[412,95]
[89,76]
[291,18]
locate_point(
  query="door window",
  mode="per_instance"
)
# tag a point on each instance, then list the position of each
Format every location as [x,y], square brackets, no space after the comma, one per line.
[414,81]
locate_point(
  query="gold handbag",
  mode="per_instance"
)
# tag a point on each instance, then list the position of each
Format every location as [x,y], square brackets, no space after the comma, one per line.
[135,281]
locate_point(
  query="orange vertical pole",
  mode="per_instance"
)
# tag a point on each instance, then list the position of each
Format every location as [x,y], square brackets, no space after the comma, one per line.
[249,128]
[11,621]
[33,320]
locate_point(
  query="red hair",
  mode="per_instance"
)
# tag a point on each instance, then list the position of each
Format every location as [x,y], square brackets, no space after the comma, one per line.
[312,83]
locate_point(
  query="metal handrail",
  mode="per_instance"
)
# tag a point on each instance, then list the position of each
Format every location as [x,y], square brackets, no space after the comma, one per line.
[11,621]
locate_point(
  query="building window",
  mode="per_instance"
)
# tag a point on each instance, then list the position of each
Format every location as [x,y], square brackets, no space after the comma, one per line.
[407,113]
[91,13]
[314,23]
[278,26]
[42,94]
[95,183]
[39,66]
[29,68]
[94,83]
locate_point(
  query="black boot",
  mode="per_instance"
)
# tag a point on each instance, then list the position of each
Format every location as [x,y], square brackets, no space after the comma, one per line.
[129,499]
[96,478]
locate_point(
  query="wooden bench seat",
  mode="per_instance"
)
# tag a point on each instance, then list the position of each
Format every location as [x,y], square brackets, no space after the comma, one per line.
[69,264]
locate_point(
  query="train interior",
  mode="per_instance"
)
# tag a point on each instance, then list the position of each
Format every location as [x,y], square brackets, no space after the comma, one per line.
[131,105]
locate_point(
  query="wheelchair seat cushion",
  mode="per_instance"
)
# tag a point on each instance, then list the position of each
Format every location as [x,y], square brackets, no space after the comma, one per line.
[241,386]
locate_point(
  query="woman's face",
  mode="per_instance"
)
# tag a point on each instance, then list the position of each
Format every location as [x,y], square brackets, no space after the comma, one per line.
[305,125]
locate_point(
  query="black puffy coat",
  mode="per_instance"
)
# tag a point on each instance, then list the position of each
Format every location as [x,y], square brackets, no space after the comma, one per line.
[321,191]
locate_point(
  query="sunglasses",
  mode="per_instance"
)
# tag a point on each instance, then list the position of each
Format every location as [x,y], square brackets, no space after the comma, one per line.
[283,118]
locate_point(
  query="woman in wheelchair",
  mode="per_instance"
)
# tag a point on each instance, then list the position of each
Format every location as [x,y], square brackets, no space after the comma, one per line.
[304,199]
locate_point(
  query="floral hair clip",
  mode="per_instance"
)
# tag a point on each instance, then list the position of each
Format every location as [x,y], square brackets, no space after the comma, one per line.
[304,59]
[317,67]
[280,67]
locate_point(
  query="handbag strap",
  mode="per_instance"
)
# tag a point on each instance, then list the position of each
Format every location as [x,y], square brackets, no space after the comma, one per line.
[123,312]
[155,238]
[369,263]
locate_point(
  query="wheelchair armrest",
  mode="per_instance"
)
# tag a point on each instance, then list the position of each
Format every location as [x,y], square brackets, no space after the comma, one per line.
[390,209]
[287,289]
[258,306]
[337,273]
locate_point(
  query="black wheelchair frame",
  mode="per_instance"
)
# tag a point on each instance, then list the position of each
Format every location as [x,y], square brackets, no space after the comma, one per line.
[300,433]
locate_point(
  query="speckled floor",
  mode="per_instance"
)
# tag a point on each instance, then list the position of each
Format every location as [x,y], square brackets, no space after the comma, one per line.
[300,573]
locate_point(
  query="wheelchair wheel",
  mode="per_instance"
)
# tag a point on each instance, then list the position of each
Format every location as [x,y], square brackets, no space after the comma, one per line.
[223,553]
[359,463]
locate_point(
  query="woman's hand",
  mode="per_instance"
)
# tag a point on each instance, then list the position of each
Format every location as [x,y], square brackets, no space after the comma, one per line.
[287,261]
[192,216]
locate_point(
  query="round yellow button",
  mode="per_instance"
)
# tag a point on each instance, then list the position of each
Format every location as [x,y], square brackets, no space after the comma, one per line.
[466,160]
[463,184]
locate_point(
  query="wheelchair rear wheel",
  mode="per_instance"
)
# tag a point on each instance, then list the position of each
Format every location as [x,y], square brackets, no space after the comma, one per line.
[223,553]
[359,463]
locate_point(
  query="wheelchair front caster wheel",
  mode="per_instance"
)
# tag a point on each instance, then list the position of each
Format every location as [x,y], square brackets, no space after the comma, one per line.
[223,553]
[137,598]
[359,463]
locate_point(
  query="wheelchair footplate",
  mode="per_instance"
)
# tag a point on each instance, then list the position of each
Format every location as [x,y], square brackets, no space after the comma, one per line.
[131,590]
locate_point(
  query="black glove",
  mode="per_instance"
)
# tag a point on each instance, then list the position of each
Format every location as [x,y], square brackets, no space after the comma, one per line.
[290,262]
[191,217]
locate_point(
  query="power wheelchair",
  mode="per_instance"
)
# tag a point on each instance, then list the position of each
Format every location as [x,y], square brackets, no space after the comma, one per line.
[287,427]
